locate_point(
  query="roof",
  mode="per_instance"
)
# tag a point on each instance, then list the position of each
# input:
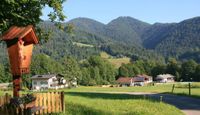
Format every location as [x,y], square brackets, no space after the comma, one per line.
[26,33]
[124,80]
[47,76]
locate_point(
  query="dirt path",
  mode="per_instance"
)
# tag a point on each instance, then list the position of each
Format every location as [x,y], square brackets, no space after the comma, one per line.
[189,105]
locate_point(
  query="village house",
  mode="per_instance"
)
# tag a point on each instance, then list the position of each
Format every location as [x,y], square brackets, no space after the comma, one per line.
[165,78]
[141,80]
[125,81]
[49,81]
[138,80]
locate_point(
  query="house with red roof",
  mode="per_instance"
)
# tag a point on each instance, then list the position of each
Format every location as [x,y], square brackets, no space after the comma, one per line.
[125,81]
[138,80]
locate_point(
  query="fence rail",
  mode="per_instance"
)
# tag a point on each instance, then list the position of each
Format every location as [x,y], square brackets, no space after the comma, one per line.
[51,102]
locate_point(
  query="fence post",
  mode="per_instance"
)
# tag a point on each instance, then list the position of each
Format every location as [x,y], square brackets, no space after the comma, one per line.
[161,98]
[144,97]
[173,88]
[63,101]
[189,88]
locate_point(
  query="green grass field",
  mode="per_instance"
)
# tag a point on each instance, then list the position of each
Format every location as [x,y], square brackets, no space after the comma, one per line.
[95,100]
[158,88]
[85,103]
[89,100]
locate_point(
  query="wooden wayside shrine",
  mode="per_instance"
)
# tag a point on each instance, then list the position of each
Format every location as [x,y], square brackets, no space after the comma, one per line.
[19,42]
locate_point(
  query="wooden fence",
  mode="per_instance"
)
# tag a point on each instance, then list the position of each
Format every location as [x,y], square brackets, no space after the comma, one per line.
[51,102]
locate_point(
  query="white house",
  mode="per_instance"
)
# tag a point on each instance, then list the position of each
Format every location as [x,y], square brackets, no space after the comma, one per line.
[49,81]
[141,80]
[165,78]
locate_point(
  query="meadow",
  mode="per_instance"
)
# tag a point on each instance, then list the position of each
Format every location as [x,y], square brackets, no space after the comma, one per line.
[86,103]
[102,100]
[98,100]
[180,89]
[116,62]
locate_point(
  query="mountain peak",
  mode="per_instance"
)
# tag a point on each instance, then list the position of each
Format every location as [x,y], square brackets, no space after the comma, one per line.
[127,19]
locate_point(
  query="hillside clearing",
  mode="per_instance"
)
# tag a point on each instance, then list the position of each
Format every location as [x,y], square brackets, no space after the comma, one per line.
[82,44]
[117,62]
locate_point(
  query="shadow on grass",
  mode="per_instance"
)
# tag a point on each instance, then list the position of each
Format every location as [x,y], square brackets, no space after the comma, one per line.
[186,94]
[107,95]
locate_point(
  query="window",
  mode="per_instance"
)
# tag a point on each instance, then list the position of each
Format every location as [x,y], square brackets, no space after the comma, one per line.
[43,82]
[35,82]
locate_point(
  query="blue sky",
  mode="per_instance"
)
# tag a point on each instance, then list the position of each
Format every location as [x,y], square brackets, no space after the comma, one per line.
[150,11]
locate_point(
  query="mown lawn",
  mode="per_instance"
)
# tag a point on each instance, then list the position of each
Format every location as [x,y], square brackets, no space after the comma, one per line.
[97,101]
[180,88]
[86,103]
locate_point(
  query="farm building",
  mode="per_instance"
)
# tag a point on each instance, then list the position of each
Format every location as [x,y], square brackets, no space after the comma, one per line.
[143,79]
[125,81]
[165,78]
[139,80]
[49,81]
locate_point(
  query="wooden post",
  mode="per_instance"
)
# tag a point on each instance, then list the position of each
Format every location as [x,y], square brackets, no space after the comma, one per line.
[173,88]
[189,89]
[16,85]
[161,98]
[49,102]
[144,96]
[63,101]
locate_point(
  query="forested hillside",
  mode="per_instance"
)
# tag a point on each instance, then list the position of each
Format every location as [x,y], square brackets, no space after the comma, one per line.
[149,48]
[180,40]
[124,36]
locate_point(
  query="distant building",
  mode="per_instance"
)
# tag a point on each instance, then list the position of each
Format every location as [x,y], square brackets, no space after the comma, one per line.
[5,85]
[141,80]
[125,81]
[49,81]
[165,78]
[138,80]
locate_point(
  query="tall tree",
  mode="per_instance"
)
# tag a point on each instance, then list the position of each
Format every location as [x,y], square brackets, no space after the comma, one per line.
[159,69]
[173,68]
[71,68]
[43,64]
[197,73]
[188,70]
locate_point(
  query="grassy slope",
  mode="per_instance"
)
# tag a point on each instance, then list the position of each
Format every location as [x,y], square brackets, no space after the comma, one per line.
[117,62]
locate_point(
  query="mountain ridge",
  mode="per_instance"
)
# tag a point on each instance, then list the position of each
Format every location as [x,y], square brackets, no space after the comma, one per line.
[125,36]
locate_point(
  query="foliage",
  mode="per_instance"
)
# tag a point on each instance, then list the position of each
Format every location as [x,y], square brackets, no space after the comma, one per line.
[173,68]
[71,68]
[97,71]
[25,12]
[197,74]
[188,70]
[180,40]
[20,101]
[2,73]
[43,64]
[138,67]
